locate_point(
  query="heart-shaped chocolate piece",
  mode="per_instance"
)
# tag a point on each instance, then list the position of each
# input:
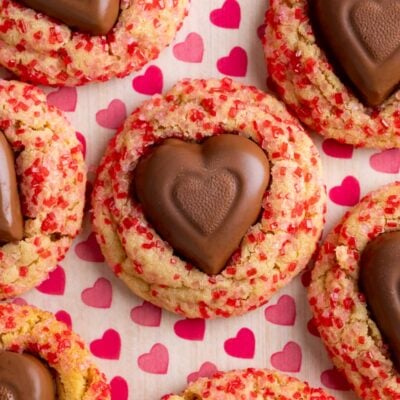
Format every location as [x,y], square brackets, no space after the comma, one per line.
[202,198]
[380,283]
[93,16]
[11,221]
[363,37]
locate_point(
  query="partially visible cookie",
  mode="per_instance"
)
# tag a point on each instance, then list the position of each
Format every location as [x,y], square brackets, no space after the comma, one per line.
[248,384]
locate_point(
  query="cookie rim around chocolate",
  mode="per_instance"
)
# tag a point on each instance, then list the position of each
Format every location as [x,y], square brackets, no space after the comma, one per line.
[339,307]
[128,241]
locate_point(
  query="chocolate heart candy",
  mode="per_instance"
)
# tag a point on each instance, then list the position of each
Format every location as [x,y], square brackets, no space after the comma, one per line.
[94,16]
[202,198]
[363,36]
[380,282]
[23,376]
[11,221]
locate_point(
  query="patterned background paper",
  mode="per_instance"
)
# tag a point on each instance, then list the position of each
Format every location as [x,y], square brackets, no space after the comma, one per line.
[144,351]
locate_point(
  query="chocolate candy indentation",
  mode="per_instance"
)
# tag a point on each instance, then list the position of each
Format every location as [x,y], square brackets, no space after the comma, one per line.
[23,376]
[97,17]
[11,221]
[202,198]
[380,282]
[363,37]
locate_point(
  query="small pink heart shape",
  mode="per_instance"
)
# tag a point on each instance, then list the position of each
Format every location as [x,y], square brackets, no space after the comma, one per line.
[241,346]
[289,359]
[108,347]
[151,82]
[119,388]
[54,284]
[82,141]
[190,329]
[228,16]
[113,116]
[347,194]
[334,379]
[20,301]
[99,295]
[146,315]
[283,313]
[63,316]
[234,64]
[387,161]
[261,32]
[64,98]
[89,250]
[191,50]
[156,361]
[312,328]
[207,370]
[335,149]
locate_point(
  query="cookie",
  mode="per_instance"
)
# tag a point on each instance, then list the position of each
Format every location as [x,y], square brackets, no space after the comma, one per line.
[51,179]
[46,51]
[347,319]
[28,330]
[345,92]
[250,383]
[273,250]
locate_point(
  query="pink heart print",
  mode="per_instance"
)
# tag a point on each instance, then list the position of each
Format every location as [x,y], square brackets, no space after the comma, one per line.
[234,64]
[63,316]
[113,116]
[191,50]
[283,313]
[156,361]
[190,329]
[20,301]
[387,161]
[335,149]
[228,16]
[108,347]
[146,315]
[347,193]
[89,250]
[119,388]
[312,328]
[289,359]
[207,370]
[55,283]
[64,98]
[82,141]
[150,83]
[241,346]
[334,379]
[99,295]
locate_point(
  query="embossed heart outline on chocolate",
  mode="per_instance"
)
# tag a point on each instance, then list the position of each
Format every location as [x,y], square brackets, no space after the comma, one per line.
[202,198]
[363,39]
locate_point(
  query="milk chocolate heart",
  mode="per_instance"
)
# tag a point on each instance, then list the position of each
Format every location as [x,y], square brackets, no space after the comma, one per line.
[94,16]
[380,282]
[11,221]
[363,38]
[202,198]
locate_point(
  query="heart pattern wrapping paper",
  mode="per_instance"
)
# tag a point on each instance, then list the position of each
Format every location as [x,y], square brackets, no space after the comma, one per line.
[147,352]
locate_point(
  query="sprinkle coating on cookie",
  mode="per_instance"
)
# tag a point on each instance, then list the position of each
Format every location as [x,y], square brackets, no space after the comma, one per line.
[274,249]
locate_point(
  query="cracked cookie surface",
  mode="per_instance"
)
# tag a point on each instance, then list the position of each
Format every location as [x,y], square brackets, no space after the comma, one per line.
[273,250]
[51,181]
[352,338]
[42,50]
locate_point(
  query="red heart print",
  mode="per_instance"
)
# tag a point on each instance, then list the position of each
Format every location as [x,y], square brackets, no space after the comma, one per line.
[306,278]
[146,315]
[235,64]
[119,388]
[289,359]
[261,32]
[113,116]
[89,250]
[387,161]
[55,283]
[99,295]
[82,141]
[190,329]
[150,83]
[335,149]
[207,370]
[108,347]
[228,16]
[312,328]
[283,313]
[64,98]
[191,50]
[63,316]
[241,346]
[20,301]
[156,361]
[334,379]
[347,194]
